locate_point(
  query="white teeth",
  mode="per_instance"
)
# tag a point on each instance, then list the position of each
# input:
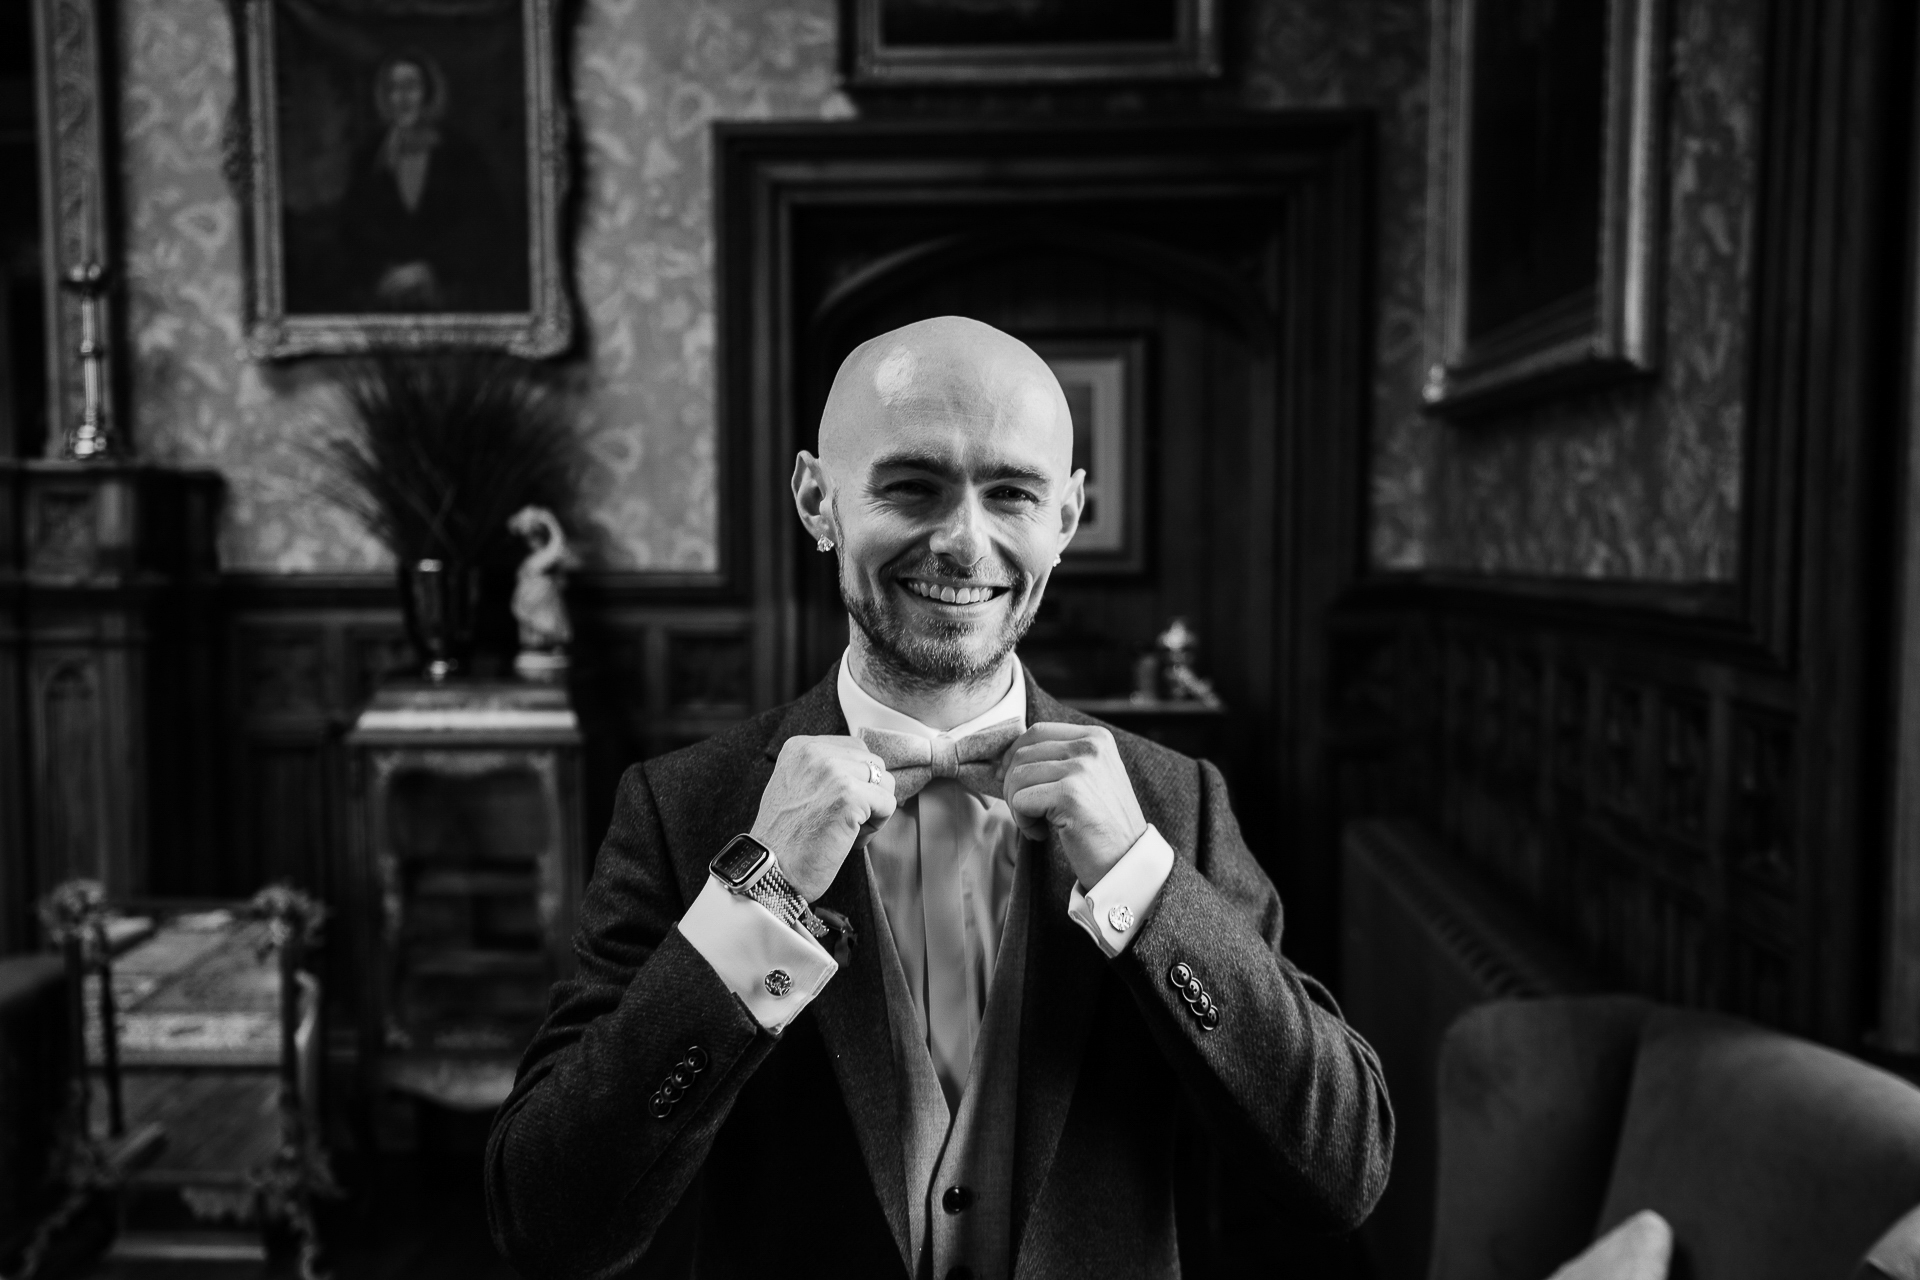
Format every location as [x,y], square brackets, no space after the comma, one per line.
[950,595]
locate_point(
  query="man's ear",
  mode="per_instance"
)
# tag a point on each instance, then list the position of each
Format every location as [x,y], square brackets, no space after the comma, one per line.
[1071,505]
[811,497]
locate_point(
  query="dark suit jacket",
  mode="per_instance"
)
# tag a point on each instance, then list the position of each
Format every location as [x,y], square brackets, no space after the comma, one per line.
[784,1157]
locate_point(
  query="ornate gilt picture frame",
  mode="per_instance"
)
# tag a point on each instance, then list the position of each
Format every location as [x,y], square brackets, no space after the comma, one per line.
[403,168]
[901,43]
[1544,198]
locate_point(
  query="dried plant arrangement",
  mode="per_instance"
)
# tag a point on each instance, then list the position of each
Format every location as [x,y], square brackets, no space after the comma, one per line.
[445,449]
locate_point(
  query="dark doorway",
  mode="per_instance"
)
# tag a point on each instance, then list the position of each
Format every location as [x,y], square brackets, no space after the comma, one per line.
[1192,551]
[1226,259]
[1228,253]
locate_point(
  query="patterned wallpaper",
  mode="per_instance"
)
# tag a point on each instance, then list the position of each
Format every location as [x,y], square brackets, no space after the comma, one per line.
[649,76]
[1638,483]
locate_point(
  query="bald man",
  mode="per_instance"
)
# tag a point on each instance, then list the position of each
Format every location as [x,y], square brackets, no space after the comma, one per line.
[908,977]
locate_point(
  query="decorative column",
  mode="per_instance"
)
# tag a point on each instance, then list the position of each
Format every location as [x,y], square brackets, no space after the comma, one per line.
[78,124]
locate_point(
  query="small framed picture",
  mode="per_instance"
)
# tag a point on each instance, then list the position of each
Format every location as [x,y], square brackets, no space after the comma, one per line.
[403,173]
[1544,197]
[1104,381]
[1012,42]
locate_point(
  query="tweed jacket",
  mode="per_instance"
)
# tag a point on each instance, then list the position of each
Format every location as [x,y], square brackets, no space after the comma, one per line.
[783,1154]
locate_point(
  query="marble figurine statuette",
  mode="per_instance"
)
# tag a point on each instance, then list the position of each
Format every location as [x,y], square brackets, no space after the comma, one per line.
[539,595]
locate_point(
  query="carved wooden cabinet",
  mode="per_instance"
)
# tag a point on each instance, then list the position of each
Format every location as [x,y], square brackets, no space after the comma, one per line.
[465,869]
[107,577]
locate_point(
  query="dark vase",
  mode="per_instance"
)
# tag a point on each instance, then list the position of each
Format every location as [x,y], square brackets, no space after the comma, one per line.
[440,602]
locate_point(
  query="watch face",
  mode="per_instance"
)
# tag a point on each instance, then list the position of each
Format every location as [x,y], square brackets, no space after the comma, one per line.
[739,860]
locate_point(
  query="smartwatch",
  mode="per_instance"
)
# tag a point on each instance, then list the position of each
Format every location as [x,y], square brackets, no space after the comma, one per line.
[748,868]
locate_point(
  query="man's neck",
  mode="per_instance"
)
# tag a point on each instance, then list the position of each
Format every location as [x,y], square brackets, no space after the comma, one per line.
[936,706]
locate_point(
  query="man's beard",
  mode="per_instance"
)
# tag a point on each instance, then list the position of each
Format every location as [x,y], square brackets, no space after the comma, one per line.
[933,657]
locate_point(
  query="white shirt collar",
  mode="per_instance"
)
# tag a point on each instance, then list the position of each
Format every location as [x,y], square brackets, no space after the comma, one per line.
[864,711]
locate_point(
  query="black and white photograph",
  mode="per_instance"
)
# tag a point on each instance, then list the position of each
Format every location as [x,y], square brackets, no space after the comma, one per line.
[959,640]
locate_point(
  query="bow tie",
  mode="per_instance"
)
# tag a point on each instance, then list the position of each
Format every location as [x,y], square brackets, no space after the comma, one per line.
[972,761]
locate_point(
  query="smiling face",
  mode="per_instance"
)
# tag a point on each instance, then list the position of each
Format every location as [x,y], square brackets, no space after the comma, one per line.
[944,480]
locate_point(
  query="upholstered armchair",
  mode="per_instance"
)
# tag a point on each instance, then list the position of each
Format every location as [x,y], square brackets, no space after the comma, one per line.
[1772,1158]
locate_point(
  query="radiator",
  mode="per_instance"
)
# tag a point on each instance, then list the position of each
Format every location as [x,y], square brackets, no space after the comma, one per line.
[1422,941]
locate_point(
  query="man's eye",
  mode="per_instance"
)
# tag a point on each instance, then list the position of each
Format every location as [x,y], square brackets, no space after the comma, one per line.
[909,489]
[1013,495]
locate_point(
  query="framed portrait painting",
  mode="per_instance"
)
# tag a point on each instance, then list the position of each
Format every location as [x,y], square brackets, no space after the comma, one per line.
[404,167]
[1544,197]
[1012,42]
[1104,379]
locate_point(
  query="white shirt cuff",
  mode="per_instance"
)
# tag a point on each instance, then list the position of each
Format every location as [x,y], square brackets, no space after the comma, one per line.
[1114,910]
[756,954]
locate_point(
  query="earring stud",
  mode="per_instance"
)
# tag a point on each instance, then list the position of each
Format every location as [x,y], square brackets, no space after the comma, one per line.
[1056,559]
[823,543]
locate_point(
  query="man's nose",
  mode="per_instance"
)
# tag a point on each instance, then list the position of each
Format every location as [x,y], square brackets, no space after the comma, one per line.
[962,536]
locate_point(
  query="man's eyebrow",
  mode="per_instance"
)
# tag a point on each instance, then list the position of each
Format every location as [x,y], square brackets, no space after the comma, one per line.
[943,467]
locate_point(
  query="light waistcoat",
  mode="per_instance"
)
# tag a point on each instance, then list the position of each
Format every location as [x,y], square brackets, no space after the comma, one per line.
[971,1150]
[944,869]
[951,894]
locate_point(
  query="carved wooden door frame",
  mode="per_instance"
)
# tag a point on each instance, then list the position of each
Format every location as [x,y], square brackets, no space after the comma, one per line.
[1311,293]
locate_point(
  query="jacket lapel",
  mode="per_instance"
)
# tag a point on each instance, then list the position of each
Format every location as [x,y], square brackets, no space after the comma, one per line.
[852,1011]
[1064,974]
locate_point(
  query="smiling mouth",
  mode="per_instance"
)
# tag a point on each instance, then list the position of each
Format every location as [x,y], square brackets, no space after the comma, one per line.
[948,594]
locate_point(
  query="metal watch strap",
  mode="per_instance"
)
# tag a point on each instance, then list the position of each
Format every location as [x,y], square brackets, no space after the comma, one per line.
[773,891]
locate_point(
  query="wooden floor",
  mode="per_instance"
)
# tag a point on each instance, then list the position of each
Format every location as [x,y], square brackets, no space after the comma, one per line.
[417,1217]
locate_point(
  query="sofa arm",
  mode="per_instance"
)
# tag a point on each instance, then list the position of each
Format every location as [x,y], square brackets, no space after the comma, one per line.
[1531,1098]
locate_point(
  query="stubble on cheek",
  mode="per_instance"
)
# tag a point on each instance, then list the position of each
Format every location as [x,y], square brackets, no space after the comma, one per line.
[930,649]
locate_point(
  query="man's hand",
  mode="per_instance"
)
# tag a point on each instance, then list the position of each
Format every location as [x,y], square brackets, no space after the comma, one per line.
[1067,779]
[822,802]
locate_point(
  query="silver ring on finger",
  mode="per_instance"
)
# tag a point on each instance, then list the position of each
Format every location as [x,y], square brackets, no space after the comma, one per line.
[873,773]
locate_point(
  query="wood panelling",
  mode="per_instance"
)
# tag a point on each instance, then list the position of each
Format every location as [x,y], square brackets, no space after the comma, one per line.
[1638,799]
[304,656]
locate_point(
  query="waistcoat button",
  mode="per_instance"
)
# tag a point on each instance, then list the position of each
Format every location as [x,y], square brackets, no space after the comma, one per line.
[957,1199]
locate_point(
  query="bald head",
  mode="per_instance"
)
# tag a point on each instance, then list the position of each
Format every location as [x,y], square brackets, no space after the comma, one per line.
[945,484]
[948,375]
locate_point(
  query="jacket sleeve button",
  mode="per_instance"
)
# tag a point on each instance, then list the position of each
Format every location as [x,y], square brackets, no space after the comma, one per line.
[659,1106]
[696,1057]
[1211,1019]
[1179,975]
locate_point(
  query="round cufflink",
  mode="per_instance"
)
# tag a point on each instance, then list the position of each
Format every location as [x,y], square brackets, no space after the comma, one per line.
[778,982]
[1120,917]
